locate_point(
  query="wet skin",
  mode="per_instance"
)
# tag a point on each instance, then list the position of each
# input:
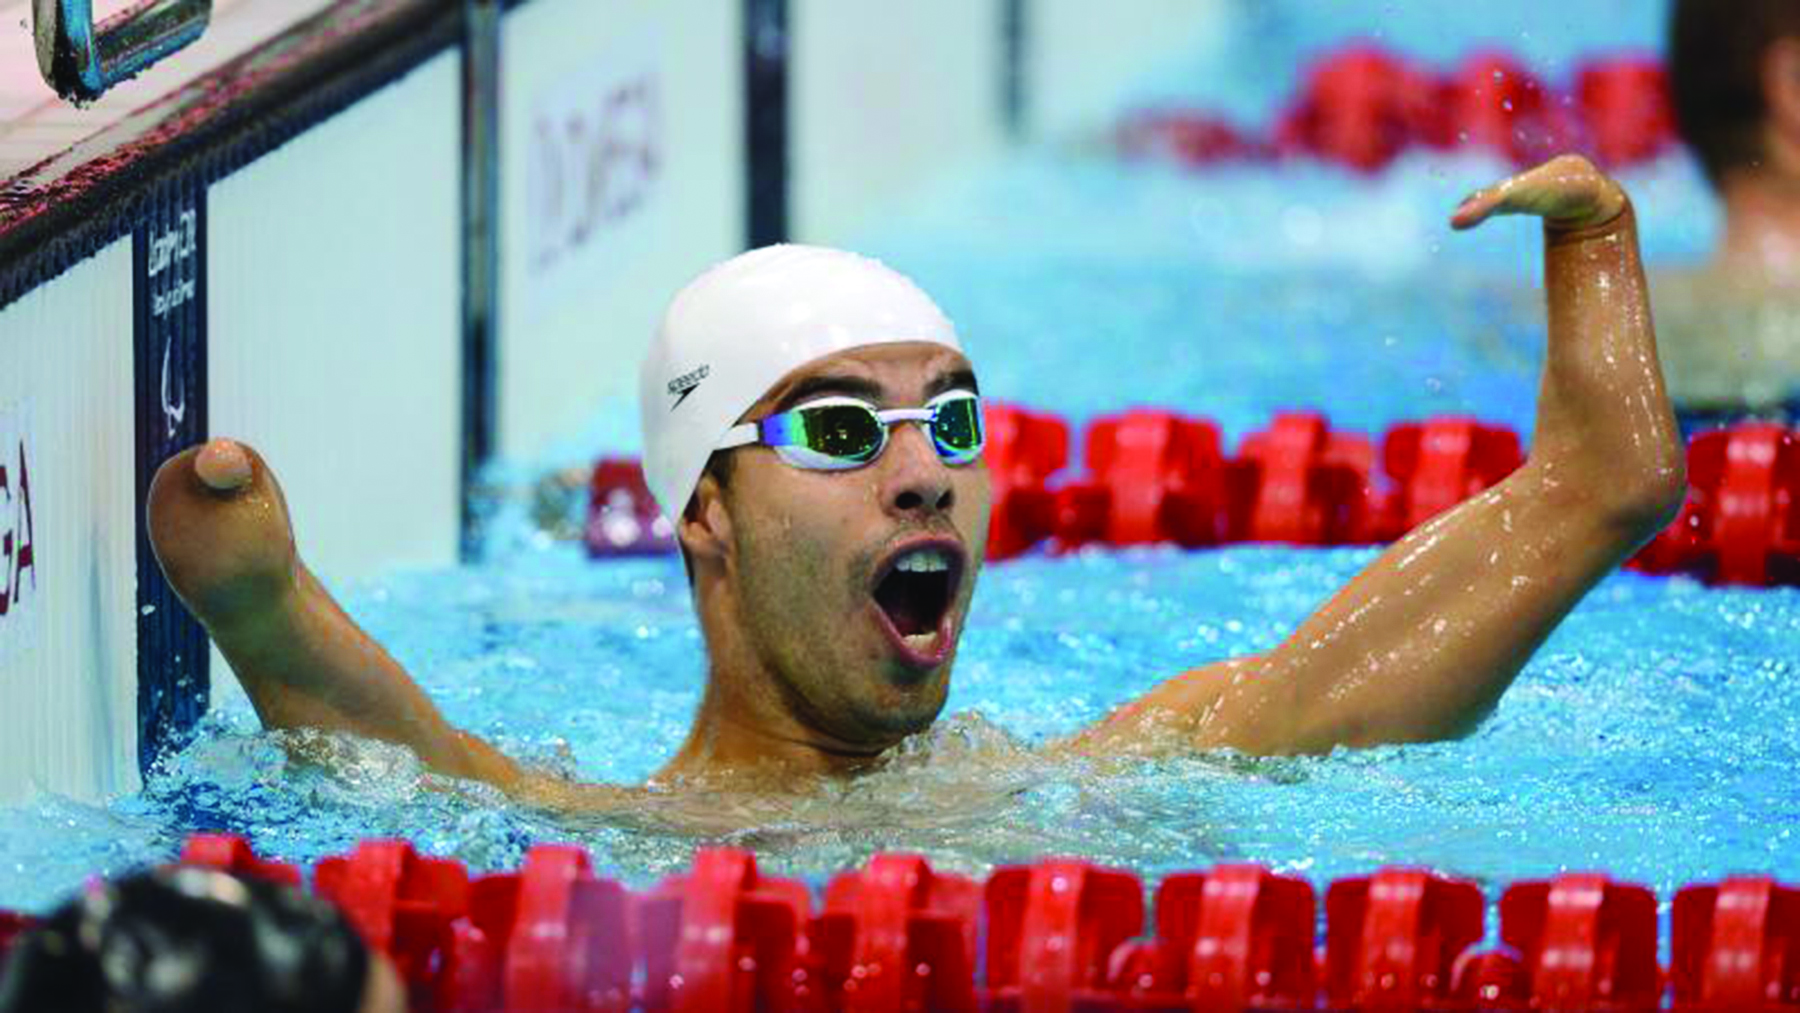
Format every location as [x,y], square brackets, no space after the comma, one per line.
[1760,244]
[804,681]
[804,674]
[1731,325]
[383,991]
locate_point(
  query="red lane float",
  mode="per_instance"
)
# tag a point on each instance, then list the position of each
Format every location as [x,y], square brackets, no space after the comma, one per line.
[1585,942]
[1394,940]
[1052,929]
[1058,935]
[1741,521]
[1736,946]
[1185,137]
[1153,476]
[1437,464]
[1159,477]
[382,882]
[1299,483]
[1499,105]
[1362,106]
[1751,479]
[568,944]
[232,853]
[1236,938]
[1626,108]
[1023,450]
[622,518]
[724,938]
[416,910]
[12,926]
[897,936]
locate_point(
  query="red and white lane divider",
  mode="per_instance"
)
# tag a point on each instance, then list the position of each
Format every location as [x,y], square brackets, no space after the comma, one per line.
[1159,477]
[1056,935]
[1362,106]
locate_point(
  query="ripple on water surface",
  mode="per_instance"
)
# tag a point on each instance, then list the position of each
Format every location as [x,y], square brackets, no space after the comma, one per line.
[1654,735]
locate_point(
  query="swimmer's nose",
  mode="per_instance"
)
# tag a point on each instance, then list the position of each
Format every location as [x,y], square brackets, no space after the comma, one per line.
[915,480]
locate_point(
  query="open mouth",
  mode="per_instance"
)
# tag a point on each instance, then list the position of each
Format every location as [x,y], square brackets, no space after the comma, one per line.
[915,594]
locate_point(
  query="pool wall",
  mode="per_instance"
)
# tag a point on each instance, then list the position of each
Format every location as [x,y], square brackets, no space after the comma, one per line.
[224,224]
[871,117]
[68,708]
[280,248]
[1080,70]
[332,295]
[621,175]
[630,150]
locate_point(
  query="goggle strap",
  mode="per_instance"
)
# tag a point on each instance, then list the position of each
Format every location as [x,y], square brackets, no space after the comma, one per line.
[774,431]
[740,436]
[780,431]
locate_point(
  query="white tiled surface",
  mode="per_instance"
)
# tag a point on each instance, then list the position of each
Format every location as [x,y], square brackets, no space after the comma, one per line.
[870,119]
[35,124]
[599,302]
[68,648]
[333,326]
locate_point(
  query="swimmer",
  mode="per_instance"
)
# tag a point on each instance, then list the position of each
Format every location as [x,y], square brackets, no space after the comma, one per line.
[1731,327]
[811,426]
[191,939]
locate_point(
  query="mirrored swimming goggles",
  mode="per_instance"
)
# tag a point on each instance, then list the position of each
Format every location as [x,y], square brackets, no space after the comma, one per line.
[838,433]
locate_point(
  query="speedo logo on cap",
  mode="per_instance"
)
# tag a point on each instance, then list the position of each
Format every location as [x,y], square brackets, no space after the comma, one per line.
[683,385]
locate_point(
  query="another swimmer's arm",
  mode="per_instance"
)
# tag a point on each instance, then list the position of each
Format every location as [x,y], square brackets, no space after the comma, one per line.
[1422,643]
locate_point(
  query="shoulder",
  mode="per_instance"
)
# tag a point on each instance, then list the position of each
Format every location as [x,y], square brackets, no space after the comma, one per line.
[547,791]
[689,808]
[1202,708]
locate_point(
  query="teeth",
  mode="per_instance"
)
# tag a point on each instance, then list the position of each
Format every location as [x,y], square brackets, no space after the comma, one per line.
[924,561]
[922,642]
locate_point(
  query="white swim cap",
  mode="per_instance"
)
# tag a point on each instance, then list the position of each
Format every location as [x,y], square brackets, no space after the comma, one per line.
[737,329]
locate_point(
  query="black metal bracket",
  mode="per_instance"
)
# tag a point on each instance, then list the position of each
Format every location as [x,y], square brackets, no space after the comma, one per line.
[480,254]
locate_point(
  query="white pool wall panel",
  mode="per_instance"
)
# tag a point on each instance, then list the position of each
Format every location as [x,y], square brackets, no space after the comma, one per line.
[334,325]
[68,647]
[1085,62]
[622,176]
[334,288]
[883,98]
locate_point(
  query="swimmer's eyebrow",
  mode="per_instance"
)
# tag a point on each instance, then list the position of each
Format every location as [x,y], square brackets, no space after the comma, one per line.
[861,387]
[825,384]
[956,379]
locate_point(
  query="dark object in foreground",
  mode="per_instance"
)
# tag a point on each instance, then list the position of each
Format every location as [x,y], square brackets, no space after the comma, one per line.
[185,938]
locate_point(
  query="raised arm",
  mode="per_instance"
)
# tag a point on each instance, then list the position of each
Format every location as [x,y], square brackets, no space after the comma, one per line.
[220,527]
[1423,642]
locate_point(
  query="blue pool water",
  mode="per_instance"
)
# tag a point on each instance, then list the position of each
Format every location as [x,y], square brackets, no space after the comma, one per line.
[1655,735]
[1551,37]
